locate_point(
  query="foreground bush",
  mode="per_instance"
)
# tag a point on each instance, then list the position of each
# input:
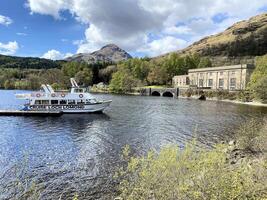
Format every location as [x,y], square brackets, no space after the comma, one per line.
[190,174]
[252,137]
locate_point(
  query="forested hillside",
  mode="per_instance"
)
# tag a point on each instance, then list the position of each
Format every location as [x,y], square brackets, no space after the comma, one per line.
[28,62]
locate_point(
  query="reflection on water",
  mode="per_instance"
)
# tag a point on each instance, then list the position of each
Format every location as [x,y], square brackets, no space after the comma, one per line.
[78,153]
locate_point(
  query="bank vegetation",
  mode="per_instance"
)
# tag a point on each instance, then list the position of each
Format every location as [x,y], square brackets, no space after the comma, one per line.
[128,76]
[237,170]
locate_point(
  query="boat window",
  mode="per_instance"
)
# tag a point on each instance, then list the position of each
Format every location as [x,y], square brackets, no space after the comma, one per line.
[80,101]
[71,101]
[62,102]
[38,102]
[91,101]
[78,90]
[45,102]
[53,102]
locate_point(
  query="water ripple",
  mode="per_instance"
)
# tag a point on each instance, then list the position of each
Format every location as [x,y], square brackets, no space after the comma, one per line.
[78,153]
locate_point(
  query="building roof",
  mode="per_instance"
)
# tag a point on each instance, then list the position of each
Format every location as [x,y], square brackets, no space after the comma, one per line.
[242,66]
[181,76]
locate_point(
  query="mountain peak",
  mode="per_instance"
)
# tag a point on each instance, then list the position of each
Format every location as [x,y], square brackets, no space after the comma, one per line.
[108,53]
[110,46]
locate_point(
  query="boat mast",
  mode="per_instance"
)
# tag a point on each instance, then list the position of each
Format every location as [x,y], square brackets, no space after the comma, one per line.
[74,83]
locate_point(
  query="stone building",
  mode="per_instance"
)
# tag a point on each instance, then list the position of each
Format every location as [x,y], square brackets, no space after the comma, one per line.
[234,77]
[181,81]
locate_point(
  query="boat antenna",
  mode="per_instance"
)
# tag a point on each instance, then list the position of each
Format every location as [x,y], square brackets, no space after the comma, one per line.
[74,83]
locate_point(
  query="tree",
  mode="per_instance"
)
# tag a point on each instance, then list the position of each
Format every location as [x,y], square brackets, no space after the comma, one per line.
[71,68]
[84,77]
[9,84]
[106,73]
[158,76]
[52,76]
[34,81]
[204,62]
[258,80]
[122,81]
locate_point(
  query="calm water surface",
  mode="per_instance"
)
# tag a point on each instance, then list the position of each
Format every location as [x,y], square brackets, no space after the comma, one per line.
[78,153]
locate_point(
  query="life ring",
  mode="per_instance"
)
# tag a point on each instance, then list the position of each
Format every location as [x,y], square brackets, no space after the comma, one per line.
[63,95]
[38,95]
[81,95]
[53,95]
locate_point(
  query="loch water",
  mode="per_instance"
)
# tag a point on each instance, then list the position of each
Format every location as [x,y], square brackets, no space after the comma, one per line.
[78,153]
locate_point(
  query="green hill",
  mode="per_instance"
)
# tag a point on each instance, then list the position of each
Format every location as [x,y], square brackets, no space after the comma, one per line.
[28,62]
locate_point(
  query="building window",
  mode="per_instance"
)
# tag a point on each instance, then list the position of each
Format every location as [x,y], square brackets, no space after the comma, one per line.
[200,82]
[233,72]
[221,73]
[232,83]
[210,73]
[210,82]
[187,81]
[221,83]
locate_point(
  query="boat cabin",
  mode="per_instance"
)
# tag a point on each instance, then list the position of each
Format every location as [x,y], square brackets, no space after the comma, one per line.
[64,102]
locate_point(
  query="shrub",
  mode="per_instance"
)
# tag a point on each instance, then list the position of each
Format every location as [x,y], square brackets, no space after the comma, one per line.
[252,136]
[259,89]
[244,95]
[258,80]
[188,174]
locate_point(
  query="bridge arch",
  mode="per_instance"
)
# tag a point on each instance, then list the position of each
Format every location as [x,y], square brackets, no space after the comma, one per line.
[167,94]
[155,93]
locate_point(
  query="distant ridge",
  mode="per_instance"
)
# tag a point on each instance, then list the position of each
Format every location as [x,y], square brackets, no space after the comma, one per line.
[109,53]
[28,62]
[238,44]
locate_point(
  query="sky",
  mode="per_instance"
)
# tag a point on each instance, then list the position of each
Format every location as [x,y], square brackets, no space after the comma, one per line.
[56,29]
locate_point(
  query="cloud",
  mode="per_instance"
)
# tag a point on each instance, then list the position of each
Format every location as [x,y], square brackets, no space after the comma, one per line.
[129,23]
[162,46]
[49,7]
[5,20]
[9,48]
[68,55]
[55,55]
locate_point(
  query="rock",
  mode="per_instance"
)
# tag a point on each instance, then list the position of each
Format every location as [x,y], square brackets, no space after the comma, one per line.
[110,53]
[232,142]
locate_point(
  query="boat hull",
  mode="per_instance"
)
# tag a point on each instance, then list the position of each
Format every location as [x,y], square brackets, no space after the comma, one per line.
[84,108]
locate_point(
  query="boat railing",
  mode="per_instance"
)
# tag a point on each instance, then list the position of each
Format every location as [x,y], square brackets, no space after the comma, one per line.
[23,96]
[38,94]
[43,94]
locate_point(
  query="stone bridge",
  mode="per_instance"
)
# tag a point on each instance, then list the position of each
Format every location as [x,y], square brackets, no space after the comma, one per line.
[164,92]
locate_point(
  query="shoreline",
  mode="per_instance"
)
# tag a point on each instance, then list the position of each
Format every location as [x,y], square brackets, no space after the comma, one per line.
[253,103]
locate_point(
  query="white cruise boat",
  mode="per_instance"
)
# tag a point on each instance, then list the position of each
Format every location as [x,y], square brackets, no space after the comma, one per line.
[75,101]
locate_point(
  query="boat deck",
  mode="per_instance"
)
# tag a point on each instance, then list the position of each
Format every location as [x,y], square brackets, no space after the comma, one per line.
[30,113]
